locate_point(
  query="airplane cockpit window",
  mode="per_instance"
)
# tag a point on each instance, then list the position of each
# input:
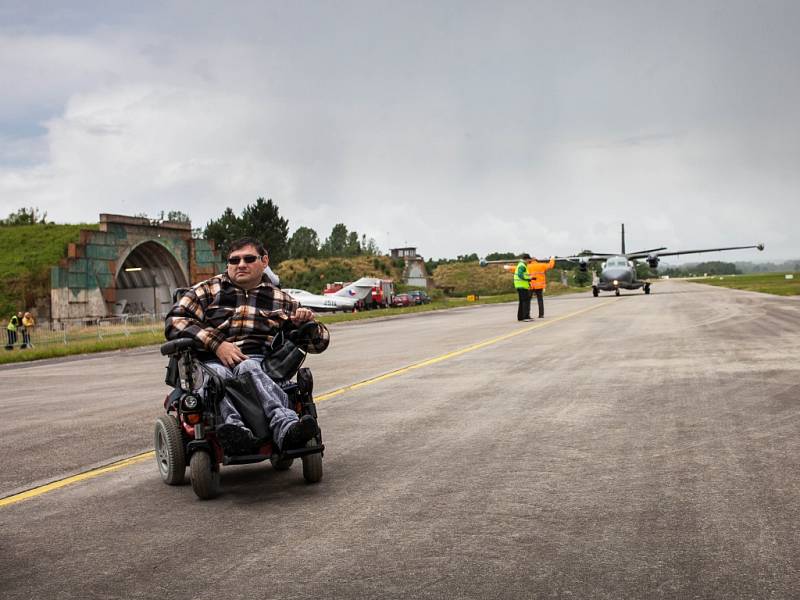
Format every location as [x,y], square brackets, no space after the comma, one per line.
[617,262]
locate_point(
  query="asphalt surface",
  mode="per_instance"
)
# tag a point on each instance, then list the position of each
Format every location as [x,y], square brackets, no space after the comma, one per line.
[631,447]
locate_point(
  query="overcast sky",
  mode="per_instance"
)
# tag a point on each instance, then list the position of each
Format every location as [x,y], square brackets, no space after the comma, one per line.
[455,127]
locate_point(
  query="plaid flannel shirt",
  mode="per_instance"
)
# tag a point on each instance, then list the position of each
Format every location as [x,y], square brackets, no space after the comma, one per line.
[217,310]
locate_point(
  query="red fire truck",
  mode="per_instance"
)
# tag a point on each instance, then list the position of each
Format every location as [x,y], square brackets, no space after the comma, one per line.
[381,297]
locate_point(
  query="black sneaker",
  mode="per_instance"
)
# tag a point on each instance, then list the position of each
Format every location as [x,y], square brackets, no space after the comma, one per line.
[300,433]
[236,440]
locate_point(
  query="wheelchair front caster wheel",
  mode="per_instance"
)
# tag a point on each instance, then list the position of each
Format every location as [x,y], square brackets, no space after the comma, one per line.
[204,474]
[312,465]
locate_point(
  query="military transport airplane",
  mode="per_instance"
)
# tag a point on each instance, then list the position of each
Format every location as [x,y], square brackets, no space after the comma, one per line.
[619,270]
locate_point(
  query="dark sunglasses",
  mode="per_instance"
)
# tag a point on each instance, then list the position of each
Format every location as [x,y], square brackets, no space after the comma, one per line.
[249,259]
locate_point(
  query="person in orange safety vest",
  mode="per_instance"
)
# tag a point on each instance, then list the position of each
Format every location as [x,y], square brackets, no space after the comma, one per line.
[537,271]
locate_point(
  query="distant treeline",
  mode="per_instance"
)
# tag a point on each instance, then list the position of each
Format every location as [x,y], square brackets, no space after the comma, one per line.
[728,268]
[262,221]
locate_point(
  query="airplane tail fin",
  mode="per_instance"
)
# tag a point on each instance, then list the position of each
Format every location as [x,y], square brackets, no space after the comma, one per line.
[623,238]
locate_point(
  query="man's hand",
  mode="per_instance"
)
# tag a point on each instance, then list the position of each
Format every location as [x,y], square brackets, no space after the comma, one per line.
[229,354]
[301,315]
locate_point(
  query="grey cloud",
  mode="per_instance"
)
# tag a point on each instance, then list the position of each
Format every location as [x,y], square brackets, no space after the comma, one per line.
[456,126]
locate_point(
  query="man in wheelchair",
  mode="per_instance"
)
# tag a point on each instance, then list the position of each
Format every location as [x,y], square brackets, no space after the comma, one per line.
[234,318]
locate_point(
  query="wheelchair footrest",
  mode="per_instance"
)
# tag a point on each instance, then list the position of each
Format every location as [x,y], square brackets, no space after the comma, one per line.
[244,459]
[299,452]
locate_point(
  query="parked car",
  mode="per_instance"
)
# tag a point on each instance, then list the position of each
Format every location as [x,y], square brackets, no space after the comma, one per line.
[419,297]
[402,300]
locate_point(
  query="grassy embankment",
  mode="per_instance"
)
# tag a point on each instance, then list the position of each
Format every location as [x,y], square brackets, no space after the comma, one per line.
[766,283]
[491,284]
[26,254]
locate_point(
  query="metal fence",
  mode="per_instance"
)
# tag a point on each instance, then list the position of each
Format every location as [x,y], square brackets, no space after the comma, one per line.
[74,330]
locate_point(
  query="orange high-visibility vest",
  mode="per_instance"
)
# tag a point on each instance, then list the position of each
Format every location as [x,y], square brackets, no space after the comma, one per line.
[537,271]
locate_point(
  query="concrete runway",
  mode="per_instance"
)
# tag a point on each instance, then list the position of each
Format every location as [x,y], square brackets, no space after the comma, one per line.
[631,447]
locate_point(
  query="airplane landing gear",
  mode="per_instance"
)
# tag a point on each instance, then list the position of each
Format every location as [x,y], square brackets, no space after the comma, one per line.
[595,291]
[646,288]
[616,292]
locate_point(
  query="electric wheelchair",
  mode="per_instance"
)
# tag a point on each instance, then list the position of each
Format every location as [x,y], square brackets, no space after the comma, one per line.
[187,433]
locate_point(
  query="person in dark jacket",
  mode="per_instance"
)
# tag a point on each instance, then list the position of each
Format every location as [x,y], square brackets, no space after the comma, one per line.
[14,323]
[522,283]
[233,316]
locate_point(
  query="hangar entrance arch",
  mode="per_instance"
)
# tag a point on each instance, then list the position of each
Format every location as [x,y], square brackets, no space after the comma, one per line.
[146,279]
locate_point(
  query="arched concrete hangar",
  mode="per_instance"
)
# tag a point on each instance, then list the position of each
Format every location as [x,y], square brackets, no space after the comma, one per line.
[130,265]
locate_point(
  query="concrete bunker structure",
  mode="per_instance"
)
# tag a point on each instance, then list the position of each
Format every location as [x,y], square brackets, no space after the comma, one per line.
[130,265]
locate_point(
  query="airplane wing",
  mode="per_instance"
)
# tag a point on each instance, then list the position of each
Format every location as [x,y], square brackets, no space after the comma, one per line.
[586,257]
[514,261]
[659,254]
[643,253]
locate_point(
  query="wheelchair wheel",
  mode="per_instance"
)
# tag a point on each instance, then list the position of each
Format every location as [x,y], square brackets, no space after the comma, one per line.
[205,479]
[170,455]
[281,465]
[312,464]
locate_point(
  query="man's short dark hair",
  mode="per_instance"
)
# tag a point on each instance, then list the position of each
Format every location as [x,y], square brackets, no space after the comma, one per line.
[247,241]
[526,256]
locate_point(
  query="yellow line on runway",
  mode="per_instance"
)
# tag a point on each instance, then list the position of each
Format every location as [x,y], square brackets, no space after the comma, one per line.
[38,491]
[453,354]
[43,489]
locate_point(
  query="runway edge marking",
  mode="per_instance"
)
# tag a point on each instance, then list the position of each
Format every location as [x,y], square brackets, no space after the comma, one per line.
[120,464]
[54,485]
[442,357]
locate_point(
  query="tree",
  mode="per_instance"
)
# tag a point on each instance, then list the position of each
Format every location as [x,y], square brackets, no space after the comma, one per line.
[642,270]
[580,277]
[25,216]
[261,221]
[353,247]
[304,243]
[369,247]
[501,256]
[336,243]
[177,216]
[224,230]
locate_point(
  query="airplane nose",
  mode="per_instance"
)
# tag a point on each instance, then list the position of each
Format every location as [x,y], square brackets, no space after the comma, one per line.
[616,276]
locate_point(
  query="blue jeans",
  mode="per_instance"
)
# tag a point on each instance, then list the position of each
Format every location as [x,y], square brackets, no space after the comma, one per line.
[274,401]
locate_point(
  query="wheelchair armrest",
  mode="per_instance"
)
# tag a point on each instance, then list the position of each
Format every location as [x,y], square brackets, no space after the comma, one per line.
[174,346]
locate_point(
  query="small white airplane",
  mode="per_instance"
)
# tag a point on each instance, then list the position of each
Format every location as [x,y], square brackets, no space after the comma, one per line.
[344,299]
[320,303]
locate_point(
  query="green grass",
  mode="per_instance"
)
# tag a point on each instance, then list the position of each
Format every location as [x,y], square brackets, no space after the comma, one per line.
[117,340]
[442,304]
[81,347]
[26,254]
[766,283]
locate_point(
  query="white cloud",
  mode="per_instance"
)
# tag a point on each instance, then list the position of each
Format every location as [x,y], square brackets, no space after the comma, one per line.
[454,128]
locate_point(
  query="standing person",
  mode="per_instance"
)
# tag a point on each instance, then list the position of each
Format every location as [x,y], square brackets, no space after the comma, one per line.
[233,316]
[522,283]
[27,326]
[11,330]
[537,272]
